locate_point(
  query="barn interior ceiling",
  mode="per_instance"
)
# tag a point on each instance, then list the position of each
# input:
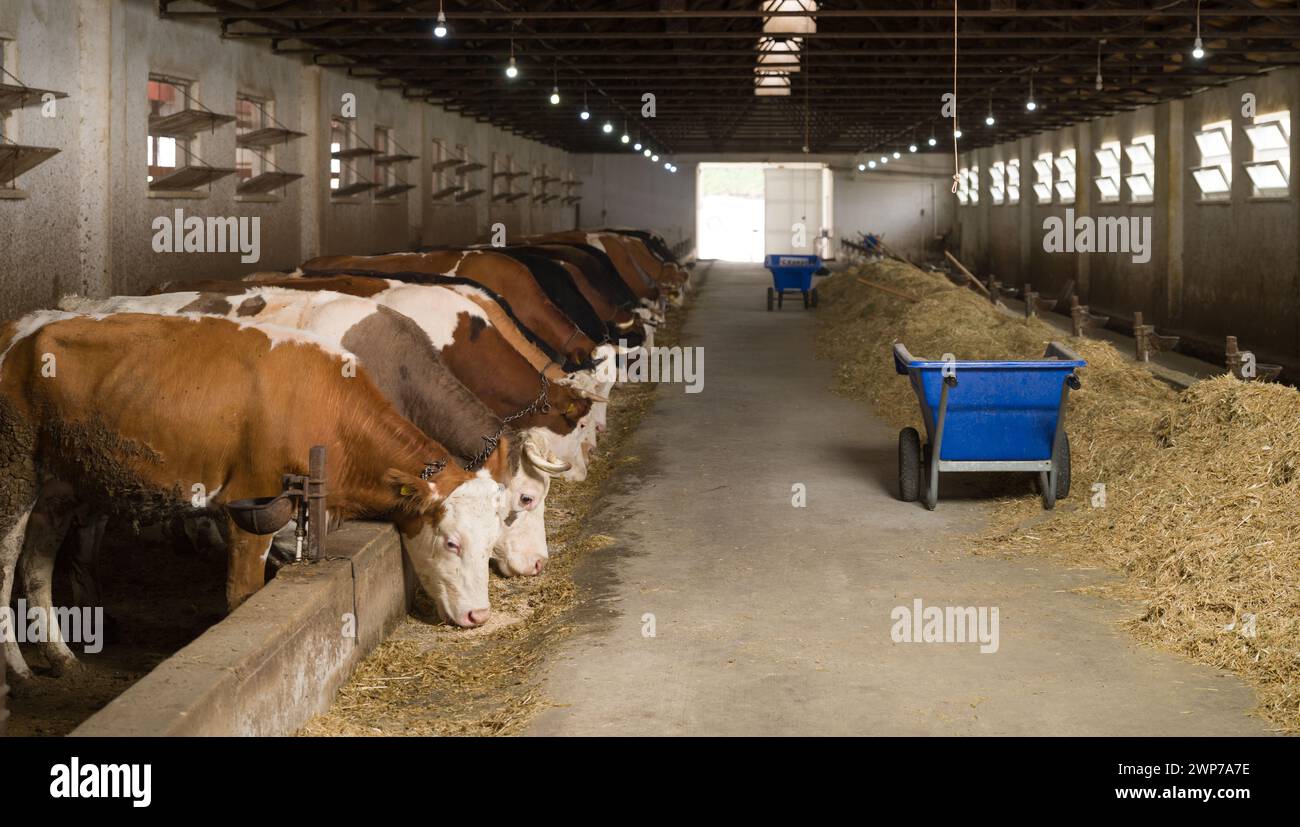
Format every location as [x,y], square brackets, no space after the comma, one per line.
[866,75]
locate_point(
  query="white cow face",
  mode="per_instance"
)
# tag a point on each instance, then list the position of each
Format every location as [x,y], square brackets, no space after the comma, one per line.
[573,448]
[521,550]
[452,547]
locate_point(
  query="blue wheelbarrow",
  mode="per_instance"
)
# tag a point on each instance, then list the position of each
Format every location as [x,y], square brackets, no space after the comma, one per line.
[792,273]
[988,416]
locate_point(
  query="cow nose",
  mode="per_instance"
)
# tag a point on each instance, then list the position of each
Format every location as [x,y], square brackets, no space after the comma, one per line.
[477,617]
[600,427]
[539,565]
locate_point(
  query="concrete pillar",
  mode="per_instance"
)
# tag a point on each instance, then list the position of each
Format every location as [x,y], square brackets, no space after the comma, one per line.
[314,156]
[1170,119]
[95,99]
[1084,198]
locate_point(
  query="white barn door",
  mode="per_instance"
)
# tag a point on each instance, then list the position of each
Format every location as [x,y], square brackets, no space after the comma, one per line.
[793,197]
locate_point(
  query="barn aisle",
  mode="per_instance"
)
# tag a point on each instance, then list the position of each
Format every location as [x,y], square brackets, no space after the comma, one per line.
[771,619]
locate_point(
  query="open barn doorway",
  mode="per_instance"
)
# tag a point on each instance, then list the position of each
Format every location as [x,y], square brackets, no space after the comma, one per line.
[748,210]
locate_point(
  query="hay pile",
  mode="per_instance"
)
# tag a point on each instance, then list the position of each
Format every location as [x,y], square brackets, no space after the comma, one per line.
[431,679]
[1201,489]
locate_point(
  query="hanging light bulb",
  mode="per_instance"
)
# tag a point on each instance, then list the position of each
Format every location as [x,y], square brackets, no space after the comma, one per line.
[667,165]
[862,167]
[871,164]
[654,158]
[897,155]
[637,146]
[932,141]
[989,121]
[1030,104]
[607,127]
[555,89]
[1100,43]
[626,138]
[956,133]
[440,25]
[1198,48]
[911,147]
[512,69]
[646,153]
[584,114]
[884,159]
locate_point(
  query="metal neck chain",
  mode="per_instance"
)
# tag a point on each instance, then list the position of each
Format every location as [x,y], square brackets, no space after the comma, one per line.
[432,467]
[491,442]
[538,404]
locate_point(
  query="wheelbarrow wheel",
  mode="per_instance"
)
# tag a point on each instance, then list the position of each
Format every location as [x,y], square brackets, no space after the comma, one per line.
[771,299]
[909,465]
[1063,467]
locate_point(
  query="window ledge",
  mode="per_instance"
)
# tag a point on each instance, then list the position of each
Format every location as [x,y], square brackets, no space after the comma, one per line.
[1147,203]
[1266,199]
[13,195]
[1214,202]
[388,202]
[351,200]
[259,199]
[178,194]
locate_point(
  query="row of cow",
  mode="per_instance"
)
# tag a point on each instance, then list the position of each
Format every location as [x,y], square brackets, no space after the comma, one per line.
[449,385]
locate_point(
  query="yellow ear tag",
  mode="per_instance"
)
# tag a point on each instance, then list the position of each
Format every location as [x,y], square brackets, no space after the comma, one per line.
[407,490]
[573,406]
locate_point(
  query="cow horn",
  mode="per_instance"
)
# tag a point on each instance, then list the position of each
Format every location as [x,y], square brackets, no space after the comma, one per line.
[549,465]
[627,325]
[592,395]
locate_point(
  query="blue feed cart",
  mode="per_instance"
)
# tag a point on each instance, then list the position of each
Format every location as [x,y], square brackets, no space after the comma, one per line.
[988,416]
[791,273]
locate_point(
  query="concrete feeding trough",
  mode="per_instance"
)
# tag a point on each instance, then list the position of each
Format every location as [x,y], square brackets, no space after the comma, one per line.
[1146,341]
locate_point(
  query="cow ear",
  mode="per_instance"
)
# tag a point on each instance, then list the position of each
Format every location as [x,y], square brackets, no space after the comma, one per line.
[410,494]
[498,464]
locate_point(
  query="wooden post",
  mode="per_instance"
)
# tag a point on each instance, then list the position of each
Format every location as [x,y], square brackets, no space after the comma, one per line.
[317,521]
[1142,349]
[967,273]
[1031,301]
[1233,357]
[1077,314]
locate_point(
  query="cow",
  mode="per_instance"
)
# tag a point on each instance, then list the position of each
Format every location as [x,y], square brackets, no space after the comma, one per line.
[584,272]
[407,369]
[503,275]
[129,412]
[475,351]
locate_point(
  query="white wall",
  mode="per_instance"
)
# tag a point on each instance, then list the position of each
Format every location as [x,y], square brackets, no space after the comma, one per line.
[81,222]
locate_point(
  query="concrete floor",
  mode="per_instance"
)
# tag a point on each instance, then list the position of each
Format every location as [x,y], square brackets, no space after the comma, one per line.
[775,620]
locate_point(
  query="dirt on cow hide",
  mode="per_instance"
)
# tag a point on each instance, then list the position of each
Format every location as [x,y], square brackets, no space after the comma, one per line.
[432,679]
[186,595]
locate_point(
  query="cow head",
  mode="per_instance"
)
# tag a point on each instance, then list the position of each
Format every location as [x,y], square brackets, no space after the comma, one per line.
[449,539]
[568,406]
[522,548]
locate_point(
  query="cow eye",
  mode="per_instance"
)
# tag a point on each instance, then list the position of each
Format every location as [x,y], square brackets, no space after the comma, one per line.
[453,547]
[525,500]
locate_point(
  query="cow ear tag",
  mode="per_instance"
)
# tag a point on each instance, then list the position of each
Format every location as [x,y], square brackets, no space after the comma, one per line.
[407,490]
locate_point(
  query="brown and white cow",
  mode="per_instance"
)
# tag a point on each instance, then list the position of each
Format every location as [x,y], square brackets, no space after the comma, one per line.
[474,350]
[407,369]
[505,276]
[130,412]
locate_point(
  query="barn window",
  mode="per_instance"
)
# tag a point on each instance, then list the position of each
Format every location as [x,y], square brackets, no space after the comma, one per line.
[998,182]
[1108,163]
[1043,178]
[1013,181]
[466,175]
[444,184]
[346,149]
[1270,164]
[1141,179]
[384,174]
[251,115]
[1214,175]
[165,152]
[963,186]
[1066,173]
[973,190]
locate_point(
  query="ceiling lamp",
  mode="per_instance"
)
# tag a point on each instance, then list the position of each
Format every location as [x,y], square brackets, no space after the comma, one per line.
[871,164]
[1030,105]
[646,153]
[512,69]
[607,127]
[1198,48]
[911,147]
[584,114]
[440,26]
